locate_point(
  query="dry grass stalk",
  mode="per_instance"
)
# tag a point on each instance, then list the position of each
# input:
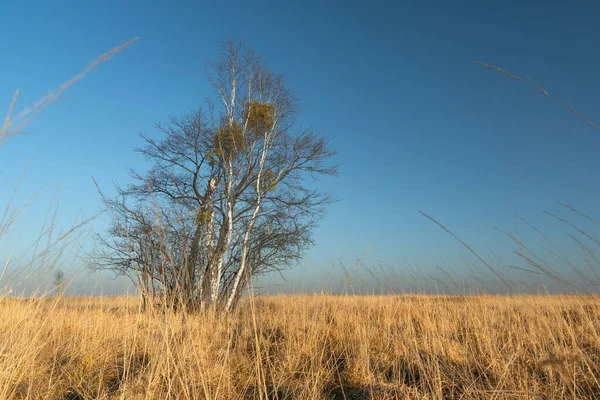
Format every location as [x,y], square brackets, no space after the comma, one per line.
[14,125]
[540,89]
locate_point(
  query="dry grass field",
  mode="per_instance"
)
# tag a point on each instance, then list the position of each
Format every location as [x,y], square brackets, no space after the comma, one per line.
[304,347]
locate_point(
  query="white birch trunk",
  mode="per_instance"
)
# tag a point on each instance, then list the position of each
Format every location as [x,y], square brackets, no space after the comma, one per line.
[218,272]
[240,271]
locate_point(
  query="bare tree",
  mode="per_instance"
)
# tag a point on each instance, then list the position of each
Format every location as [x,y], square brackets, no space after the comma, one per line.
[59,281]
[228,194]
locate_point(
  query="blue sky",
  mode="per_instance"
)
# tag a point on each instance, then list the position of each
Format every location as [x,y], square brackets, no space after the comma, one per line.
[418,125]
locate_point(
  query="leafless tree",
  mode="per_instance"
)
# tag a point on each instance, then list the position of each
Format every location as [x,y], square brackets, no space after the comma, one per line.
[59,281]
[228,194]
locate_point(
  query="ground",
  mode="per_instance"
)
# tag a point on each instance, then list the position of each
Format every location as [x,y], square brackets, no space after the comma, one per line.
[304,347]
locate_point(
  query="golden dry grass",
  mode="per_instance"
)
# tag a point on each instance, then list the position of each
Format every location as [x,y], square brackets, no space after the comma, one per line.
[304,347]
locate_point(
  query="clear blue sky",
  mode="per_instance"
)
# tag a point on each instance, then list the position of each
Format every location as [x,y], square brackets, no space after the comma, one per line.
[417,124]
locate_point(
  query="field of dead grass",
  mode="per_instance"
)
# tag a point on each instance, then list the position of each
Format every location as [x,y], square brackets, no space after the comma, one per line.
[304,347]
